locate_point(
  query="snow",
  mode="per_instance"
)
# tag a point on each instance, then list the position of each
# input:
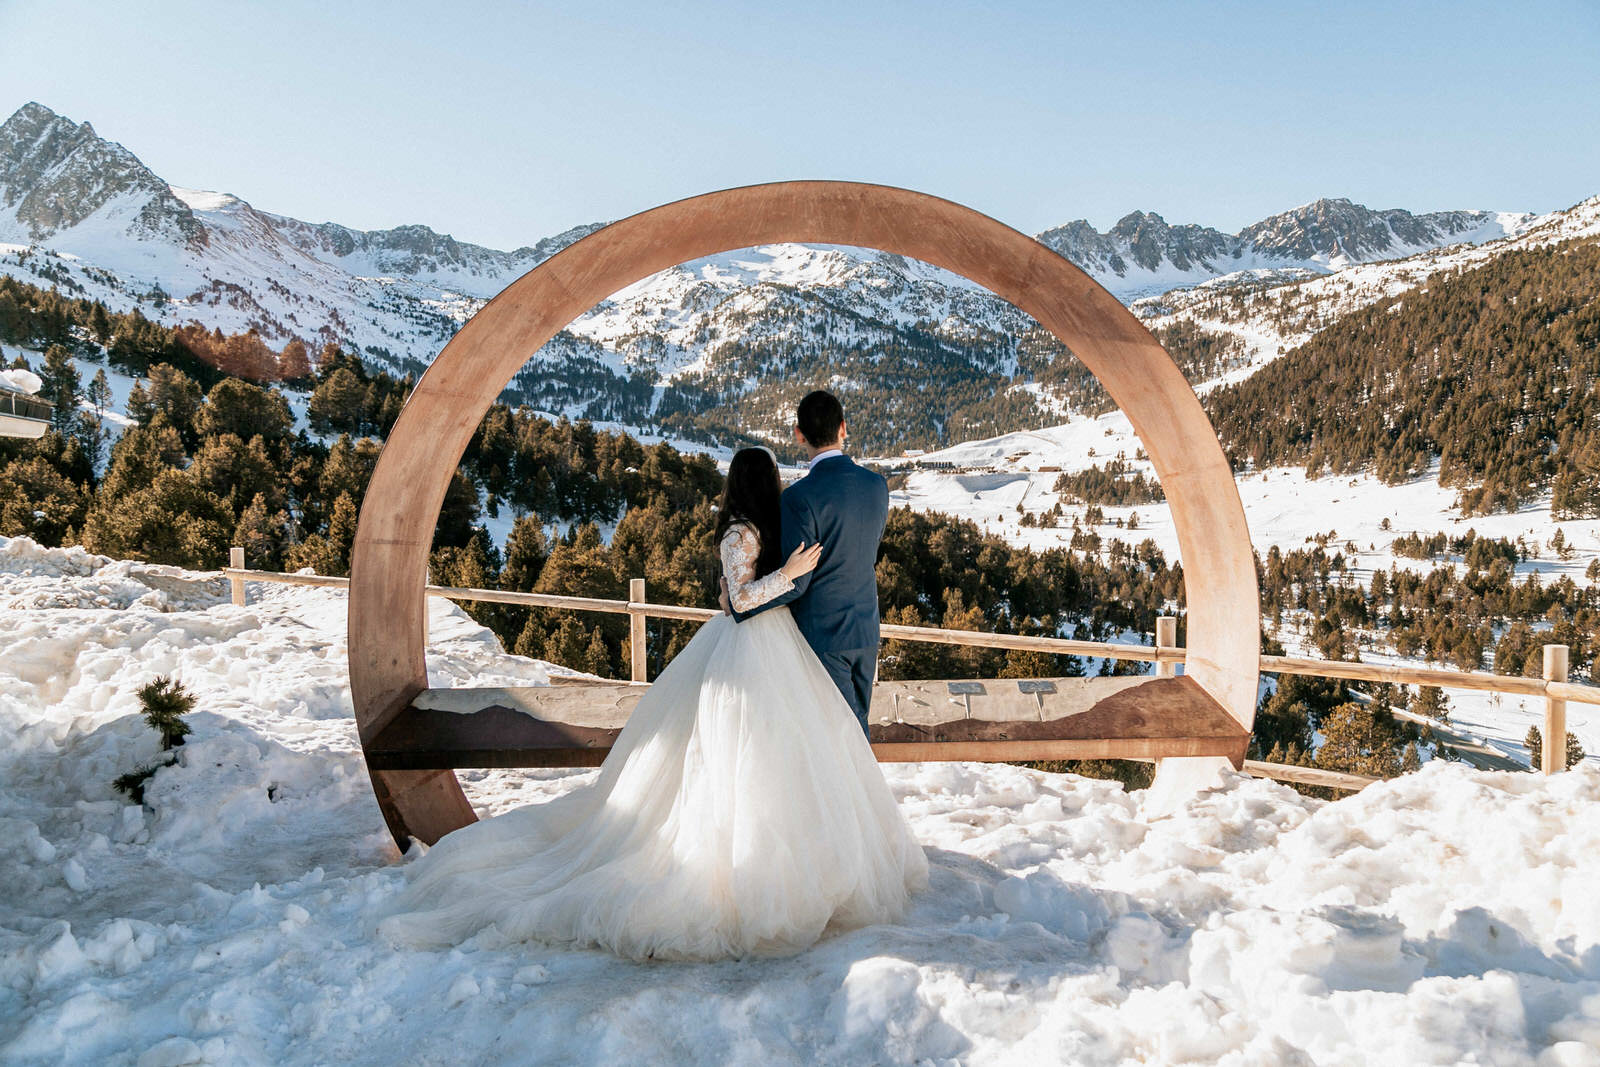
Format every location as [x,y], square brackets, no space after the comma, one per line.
[20,381]
[1444,917]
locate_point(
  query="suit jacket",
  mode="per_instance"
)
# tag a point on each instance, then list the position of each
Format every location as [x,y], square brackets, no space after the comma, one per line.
[843,507]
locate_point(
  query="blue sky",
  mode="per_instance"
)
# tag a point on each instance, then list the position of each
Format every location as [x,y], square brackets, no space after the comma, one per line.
[503,123]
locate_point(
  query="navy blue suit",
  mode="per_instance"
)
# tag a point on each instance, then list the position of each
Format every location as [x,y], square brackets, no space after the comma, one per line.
[843,507]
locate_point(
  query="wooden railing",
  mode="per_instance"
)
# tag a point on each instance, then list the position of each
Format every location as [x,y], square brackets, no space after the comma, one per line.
[1166,654]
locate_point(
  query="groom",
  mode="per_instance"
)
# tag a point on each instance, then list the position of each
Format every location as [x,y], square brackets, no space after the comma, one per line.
[842,507]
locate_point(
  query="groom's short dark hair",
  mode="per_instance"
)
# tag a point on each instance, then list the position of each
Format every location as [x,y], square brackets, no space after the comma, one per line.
[819,417]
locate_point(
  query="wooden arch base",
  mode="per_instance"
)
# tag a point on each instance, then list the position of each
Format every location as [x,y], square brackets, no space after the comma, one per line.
[389,559]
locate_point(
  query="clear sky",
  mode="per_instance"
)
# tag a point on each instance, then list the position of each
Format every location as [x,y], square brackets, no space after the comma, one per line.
[502,123]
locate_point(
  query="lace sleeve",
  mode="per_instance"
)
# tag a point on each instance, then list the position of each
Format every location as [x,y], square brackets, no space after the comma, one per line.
[740,548]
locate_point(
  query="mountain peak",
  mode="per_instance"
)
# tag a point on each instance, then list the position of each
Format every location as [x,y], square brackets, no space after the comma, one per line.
[36,115]
[1135,221]
[56,174]
[1340,229]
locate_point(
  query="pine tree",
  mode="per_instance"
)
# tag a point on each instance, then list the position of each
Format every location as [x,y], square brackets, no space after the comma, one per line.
[99,324]
[140,409]
[173,520]
[174,395]
[99,392]
[294,364]
[329,553]
[262,533]
[246,410]
[1534,740]
[240,472]
[38,501]
[597,658]
[1022,663]
[1431,701]
[61,382]
[339,404]
[527,548]
[567,645]
[1358,741]
[165,702]
[90,433]
[531,639]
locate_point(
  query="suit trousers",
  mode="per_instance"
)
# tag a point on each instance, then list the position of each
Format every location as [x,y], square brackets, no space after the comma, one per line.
[853,671]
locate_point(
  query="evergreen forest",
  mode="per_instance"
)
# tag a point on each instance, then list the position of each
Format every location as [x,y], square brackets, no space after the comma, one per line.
[1491,372]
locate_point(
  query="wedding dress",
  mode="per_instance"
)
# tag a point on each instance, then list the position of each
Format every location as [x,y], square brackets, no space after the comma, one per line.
[740,813]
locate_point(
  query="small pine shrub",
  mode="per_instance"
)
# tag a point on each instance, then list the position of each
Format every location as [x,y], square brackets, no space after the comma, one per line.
[165,703]
[133,782]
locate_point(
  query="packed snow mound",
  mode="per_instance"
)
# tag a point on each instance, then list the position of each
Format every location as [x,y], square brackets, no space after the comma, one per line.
[20,381]
[1444,917]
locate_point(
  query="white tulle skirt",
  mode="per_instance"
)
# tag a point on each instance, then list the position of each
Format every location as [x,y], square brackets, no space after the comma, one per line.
[740,813]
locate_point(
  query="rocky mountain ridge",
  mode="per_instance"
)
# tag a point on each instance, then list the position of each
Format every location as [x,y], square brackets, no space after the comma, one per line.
[1324,235]
[720,341]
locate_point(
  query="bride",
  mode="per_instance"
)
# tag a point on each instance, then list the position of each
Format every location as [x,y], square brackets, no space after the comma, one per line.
[740,812]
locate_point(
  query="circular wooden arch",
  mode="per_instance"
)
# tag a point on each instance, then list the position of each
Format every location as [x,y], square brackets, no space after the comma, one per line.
[390,556]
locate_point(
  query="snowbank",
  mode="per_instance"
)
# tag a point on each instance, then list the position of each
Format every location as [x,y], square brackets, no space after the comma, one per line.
[20,381]
[1445,917]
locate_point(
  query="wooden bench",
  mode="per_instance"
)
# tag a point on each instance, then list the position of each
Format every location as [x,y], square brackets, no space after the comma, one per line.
[1137,717]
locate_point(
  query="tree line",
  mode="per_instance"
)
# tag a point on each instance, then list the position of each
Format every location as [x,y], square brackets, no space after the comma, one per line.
[1493,372]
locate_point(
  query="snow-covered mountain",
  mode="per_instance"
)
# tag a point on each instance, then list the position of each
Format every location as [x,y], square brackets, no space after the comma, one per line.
[720,341]
[1271,314]
[1142,253]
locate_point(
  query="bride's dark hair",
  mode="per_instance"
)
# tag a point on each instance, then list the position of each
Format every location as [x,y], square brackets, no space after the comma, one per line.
[751,497]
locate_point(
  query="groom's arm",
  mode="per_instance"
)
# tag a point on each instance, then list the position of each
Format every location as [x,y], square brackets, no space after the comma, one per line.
[799,527]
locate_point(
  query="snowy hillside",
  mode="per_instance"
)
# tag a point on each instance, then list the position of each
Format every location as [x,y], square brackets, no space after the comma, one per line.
[1444,917]
[989,481]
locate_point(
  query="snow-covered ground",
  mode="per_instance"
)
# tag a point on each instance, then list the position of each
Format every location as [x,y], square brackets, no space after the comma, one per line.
[1445,917]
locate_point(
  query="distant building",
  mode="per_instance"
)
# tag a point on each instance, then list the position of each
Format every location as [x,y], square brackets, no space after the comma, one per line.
[22,415]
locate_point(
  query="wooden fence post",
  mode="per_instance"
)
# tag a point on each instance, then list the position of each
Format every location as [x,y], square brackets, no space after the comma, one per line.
[1166,641]
[636,631]
[236,561]
[1553,756]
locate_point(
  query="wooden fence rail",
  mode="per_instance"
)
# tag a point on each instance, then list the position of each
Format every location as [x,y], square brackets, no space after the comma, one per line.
[1166,654]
